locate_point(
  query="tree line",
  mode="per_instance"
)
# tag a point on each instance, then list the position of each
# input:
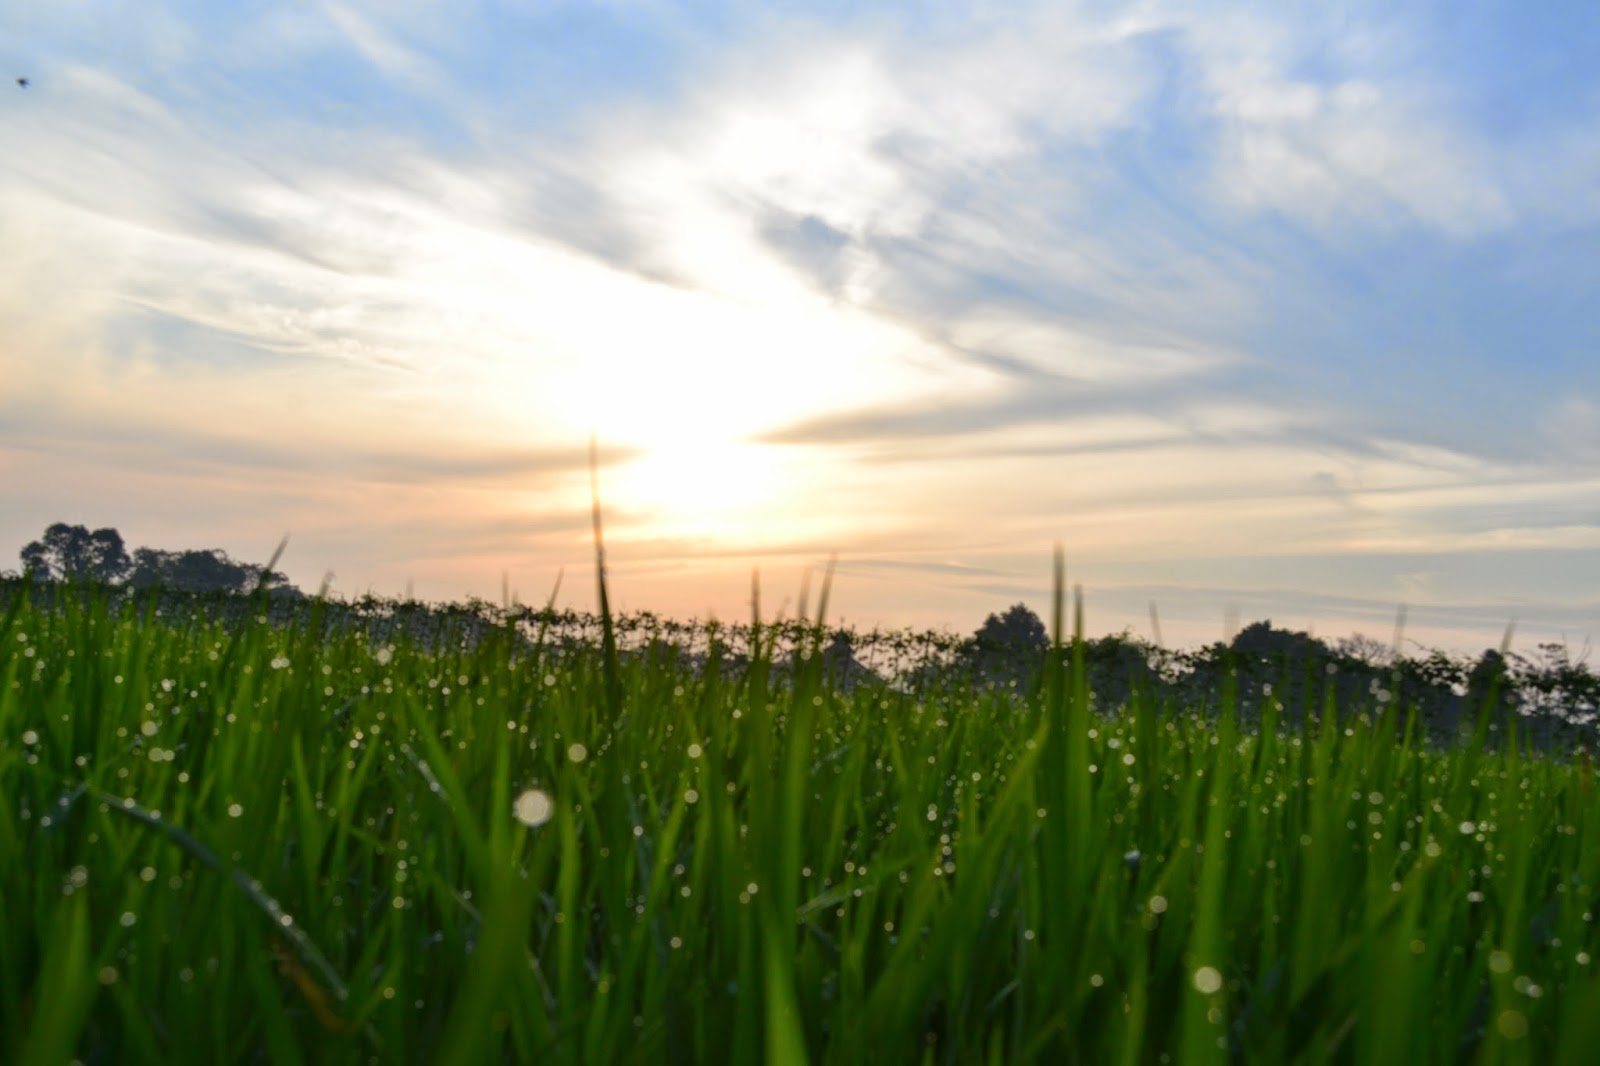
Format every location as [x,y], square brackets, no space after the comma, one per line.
[69,553]
[1553,692]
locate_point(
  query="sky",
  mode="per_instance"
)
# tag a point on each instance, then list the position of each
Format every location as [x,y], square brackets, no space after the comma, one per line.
[1258,310]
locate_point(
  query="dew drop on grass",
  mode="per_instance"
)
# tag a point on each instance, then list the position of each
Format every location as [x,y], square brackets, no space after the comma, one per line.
[1207,980]
[533,808]
[577,753]
[235,810]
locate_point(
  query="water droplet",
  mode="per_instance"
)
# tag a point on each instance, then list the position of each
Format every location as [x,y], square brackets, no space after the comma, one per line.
[533,808]
[1207,980]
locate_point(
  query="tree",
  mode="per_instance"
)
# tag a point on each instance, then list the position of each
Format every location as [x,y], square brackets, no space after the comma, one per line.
[199,571]
[1008,647]
[1019,631]
[1365,650]
[1261,640]
[72,553]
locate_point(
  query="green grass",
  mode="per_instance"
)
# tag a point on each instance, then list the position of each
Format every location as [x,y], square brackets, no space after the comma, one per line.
[265,844]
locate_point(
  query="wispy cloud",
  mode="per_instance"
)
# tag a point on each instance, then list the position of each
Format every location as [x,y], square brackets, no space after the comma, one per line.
[933,287]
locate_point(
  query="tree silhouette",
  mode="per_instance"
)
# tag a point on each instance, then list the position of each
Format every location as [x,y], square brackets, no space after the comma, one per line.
[1009,646]
[198,571]
[72,553]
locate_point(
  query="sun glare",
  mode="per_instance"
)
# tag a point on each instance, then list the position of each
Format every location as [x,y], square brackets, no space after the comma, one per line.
[706,488]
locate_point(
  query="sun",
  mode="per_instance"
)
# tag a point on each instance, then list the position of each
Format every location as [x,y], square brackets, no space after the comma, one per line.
[705,487]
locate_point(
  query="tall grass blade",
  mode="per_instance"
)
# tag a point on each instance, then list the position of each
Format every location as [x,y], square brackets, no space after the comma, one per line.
[608,633]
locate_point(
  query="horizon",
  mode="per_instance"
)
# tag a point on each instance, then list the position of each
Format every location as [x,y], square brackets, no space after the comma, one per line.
[1261,315]
[1401,639]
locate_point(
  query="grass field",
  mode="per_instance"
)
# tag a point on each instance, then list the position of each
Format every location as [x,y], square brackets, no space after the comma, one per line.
[259,843]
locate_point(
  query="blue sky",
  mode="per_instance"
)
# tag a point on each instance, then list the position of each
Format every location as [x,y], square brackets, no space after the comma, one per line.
[1271,307]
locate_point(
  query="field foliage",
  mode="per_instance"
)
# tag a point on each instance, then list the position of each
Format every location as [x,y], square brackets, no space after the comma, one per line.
[226,839]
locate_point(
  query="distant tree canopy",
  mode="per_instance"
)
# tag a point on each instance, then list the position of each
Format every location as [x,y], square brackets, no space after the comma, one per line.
[199,571]
[1009,646]
[73,553]
[1018,631]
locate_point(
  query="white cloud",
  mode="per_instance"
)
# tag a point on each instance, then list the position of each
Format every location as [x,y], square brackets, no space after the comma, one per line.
[861,131]
[1370,145]
[379,46]
[1075,352]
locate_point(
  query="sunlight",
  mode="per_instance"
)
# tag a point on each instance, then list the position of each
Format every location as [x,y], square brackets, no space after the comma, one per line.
[707,488]
[686,380]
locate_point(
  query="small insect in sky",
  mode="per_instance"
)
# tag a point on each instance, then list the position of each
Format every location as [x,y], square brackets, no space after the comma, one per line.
[22,83]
